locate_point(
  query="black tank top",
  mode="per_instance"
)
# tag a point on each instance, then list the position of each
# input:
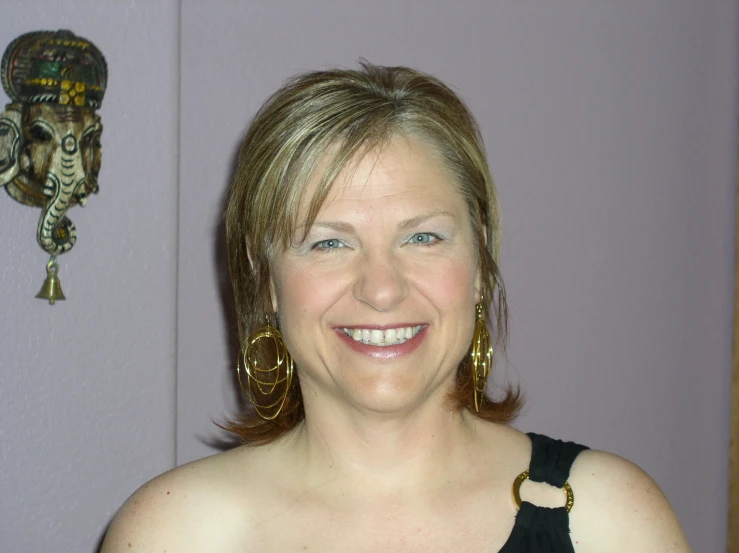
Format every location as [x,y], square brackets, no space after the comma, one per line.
[544,529]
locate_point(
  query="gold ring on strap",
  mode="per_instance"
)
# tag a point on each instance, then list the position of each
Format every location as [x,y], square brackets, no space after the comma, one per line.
[525,476]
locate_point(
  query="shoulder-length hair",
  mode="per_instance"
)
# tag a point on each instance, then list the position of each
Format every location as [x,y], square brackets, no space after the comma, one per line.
[348,110]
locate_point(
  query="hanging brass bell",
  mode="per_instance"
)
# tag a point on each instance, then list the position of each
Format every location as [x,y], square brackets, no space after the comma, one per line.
[52,288]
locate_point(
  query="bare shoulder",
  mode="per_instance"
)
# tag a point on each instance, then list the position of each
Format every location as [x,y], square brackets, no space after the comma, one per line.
[196,507]
[619,508]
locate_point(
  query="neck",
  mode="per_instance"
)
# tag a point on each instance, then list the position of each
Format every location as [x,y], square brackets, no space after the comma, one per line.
[380,452]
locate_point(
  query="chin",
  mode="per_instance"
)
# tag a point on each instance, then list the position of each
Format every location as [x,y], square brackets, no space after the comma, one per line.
[390,395]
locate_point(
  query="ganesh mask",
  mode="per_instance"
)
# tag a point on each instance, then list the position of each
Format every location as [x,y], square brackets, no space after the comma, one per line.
[50,134]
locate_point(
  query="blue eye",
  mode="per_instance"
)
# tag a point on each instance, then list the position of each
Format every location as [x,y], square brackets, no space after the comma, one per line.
[424,238]
[327,245]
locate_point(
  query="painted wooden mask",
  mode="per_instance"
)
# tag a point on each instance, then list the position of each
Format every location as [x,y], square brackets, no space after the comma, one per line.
[50,134]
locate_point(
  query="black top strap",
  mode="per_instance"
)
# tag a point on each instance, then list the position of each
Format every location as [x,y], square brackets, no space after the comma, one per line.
[543,529]
[551,460]
[540,530]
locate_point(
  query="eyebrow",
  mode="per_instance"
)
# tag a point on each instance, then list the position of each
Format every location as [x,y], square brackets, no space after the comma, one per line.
[417,221]
[413,222]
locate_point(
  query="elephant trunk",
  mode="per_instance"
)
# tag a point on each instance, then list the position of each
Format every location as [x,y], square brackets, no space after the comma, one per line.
[56,233]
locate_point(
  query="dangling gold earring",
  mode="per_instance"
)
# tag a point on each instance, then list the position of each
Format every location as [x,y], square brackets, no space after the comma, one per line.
[265,381]
[482,356]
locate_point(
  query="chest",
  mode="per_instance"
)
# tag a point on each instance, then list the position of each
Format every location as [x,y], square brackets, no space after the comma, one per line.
[476,526]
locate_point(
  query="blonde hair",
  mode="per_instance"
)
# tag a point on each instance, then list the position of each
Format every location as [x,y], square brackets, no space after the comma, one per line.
[349,111]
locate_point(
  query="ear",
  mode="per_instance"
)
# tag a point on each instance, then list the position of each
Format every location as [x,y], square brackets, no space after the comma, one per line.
[10,142]
[273,293]
[478,271]
[272,287]
[478,285]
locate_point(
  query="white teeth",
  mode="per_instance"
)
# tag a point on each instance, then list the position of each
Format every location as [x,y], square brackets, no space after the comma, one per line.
[387,337]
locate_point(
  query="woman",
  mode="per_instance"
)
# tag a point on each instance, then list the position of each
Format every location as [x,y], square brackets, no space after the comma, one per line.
[363,234]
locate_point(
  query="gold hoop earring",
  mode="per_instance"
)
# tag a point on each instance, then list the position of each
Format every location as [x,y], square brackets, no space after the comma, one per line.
[264,382]
[482,356]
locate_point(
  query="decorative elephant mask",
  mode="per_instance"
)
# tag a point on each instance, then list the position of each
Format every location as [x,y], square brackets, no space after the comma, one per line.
[50,150]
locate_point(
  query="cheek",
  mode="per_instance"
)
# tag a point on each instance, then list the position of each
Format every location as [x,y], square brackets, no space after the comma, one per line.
[452,285]
[303,300]
[457,298]
[304,295]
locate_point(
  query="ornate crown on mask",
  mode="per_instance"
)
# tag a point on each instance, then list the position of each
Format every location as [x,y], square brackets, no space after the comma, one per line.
[55,67]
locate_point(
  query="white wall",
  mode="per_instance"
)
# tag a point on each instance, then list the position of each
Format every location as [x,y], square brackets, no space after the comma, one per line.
[87,385]
[611,130]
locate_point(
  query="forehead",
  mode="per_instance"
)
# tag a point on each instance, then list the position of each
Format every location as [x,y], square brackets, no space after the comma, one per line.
[60,115]
[404,172]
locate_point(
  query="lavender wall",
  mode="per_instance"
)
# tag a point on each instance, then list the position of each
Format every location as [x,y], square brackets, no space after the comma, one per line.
[611,129]
[87,386]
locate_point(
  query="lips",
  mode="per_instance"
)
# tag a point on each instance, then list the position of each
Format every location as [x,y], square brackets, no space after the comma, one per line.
[382,346]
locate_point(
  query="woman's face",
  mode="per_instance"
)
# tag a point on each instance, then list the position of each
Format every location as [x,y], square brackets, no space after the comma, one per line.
[377,304]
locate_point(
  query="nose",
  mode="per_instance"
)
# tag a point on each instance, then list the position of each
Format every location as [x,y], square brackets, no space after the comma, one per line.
[380,282]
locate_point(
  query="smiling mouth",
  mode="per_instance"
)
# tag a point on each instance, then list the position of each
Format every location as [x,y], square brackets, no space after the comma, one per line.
[388,337]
